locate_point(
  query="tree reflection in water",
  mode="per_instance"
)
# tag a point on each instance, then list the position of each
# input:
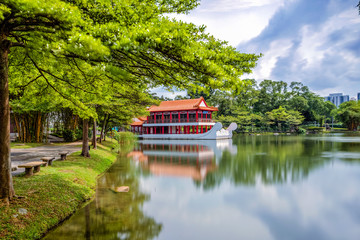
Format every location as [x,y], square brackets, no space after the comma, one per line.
[277,160]
[112,215]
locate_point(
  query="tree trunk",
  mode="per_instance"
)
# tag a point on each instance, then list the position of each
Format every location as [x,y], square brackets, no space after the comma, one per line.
[85,145]
[94,135]
[18,128]
[37,126]
[106,124]
[6,183]
[103,127]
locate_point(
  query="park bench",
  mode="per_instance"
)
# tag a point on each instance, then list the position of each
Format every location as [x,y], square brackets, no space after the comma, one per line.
[63,155]
[32,167]
[48,160]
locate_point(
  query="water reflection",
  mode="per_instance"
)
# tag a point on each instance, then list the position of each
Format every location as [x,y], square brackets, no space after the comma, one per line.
[178,159]
[112,215]
[251,187]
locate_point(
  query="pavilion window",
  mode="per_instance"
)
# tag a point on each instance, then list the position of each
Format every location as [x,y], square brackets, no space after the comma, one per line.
[192,117]
[183,117]
[166,117]
[175,116]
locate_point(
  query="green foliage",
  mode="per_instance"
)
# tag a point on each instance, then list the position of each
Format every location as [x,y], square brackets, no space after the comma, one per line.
[281,116]
[301,130]
[269,106]
[124,137]
[315,129]
[69,135]
[101,57]
[349,114]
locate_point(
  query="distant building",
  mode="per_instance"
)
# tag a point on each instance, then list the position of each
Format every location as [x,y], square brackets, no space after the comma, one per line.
[353,99]
[358,96]
[337,98]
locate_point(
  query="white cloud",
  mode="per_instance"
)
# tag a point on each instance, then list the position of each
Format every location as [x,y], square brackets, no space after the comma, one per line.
[234,21]
[322,56]
[268,61]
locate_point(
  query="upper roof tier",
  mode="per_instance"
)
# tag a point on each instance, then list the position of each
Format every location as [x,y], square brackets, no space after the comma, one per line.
[182,105]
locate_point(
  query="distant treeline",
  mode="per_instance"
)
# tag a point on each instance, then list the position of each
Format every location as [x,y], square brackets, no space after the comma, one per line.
[276,106]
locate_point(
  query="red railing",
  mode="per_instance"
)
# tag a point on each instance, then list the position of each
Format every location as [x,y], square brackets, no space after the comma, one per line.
[182,120]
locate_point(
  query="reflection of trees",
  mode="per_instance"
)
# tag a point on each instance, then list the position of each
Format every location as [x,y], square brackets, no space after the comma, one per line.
[112,215]
[268,159]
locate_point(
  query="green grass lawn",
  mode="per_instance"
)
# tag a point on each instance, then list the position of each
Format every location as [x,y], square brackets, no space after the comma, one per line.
[25,145]
[53,194]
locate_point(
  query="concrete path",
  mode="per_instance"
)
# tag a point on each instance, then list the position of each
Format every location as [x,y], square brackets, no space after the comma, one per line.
[23,155]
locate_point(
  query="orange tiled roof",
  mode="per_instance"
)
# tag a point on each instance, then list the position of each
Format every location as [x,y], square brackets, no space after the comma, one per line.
[179,105]
[142,118]
[137,124]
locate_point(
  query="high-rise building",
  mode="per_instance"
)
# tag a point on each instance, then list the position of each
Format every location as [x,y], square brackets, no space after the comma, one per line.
[358,96]
[337,98]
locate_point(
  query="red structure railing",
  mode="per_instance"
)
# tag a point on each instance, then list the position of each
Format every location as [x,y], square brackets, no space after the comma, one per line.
[182,120]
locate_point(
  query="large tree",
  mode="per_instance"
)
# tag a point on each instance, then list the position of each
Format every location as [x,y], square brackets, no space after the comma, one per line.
[25,24]
[63,43]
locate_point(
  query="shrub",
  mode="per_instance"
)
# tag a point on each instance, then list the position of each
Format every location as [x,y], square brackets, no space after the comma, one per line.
[69,135]
[301,130]
[124,137]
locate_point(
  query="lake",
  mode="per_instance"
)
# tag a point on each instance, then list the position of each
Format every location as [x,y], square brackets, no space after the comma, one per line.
[250,187]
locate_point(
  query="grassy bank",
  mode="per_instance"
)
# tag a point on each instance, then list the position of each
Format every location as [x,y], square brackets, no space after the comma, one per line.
[25,145]
[53,194]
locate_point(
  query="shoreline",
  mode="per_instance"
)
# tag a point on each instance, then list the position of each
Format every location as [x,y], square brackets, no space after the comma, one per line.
[54,194]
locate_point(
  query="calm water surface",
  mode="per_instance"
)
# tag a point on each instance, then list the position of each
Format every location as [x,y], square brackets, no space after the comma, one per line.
[256,187]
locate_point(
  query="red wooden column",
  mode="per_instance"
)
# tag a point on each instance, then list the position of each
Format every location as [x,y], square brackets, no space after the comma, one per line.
[187,116]
[154,117]
[147,130]
[197,120]
[201,128]
[162,120]
[154,130]
[170,127]
[179,116]
[193,128]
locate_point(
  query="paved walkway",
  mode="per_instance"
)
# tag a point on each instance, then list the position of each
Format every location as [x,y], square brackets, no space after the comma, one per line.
[23,155]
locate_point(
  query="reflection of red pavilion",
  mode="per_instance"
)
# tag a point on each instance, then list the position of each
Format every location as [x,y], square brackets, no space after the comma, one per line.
[193,161]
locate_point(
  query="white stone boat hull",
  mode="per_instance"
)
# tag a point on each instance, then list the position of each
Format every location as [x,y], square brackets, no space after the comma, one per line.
[216,132]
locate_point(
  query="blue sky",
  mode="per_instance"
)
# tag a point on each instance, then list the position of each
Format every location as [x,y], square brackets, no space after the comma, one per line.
[316,42]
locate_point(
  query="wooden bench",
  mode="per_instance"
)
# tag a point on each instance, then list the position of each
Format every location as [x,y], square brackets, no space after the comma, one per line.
[30,166]
[63,155]
[48,160]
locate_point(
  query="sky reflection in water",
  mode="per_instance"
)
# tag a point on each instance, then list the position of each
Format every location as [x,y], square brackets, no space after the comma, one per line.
[256,187]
